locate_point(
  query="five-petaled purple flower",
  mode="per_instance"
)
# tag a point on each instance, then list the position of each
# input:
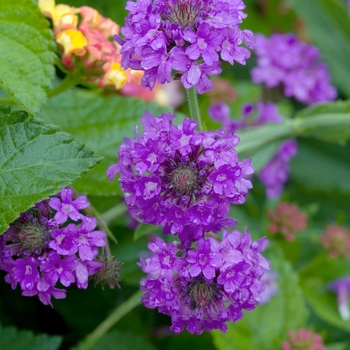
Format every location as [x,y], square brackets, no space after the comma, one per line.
[180,178]
[186,36]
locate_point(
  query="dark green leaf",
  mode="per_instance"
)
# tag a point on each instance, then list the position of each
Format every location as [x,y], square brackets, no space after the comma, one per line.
[26,53]
[265,327]
[11,338]
[123,341]
[101,123]
[36,161]
[322,167]
[328,24]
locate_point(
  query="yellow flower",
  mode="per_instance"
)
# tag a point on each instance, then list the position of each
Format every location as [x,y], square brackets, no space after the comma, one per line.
[73,41]
[60,14]
[115,75]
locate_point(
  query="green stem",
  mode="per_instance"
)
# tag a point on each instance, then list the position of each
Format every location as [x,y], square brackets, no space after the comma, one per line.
[100,222]
[68,82]
[110,321]
[7,101]
[114,212]
[194,107]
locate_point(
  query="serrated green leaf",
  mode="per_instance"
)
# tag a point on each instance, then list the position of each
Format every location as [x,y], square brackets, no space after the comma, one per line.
[26,53]
[11,338]
[265,327]
[36,161]
[101,123]
[125,341]
[328,25]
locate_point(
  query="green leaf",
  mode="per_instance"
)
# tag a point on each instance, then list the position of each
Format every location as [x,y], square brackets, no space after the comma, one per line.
[144,229]
[26,53]
[328,24]
[265,327]
[330,163]
[124,341]
[315,278]
[11,338]
[101,123]
[36,161]
[328,122]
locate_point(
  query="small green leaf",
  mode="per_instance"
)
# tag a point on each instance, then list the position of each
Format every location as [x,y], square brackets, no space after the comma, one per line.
[101,123]
[265,327]
[328,24]
[11,338]
[145,229]
[36,161]
[26,53]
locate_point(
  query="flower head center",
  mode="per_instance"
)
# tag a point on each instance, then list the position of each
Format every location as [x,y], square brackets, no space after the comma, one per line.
[201,293]
[184,179]
[184,12]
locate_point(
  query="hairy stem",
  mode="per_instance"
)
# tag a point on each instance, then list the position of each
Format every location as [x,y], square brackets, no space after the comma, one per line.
[194,107]
[102,224]
[68,82]
[114,212]
[110,321]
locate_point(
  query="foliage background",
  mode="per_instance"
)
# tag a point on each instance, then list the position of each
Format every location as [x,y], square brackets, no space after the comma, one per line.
[319,184]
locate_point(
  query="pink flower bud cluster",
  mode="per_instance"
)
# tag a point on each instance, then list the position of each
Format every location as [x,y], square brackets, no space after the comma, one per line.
[285,220]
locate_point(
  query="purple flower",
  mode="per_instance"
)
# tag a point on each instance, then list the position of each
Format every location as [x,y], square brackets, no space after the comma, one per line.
[38,252]
[342,288]
[286,60]
[25,272]
[204,287]
[271,288]
[66,207]
[54,268]
[252,115]
[187,36]
[275,173]
[181,178]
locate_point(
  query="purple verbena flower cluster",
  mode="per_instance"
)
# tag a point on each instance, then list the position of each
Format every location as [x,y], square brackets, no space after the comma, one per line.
[204,287]
[284,59]
[180,178]
[182,35]
[50,243]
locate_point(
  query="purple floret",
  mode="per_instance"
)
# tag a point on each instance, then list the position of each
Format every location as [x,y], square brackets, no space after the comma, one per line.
[66,207]
[205,287]
[275,173]
[286,60]
[341,287]
[186,36]
[182,178]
